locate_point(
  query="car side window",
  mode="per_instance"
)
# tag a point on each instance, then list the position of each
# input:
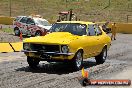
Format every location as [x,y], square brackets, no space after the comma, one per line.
[17,18]
[30,21]
[24,20]
[91,31]
[77,29]
[98,30]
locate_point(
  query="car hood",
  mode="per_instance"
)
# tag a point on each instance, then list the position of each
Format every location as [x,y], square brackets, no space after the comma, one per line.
[53,38]
[45,27]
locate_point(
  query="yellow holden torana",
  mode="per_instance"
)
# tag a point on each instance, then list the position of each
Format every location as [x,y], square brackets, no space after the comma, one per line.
[70,42]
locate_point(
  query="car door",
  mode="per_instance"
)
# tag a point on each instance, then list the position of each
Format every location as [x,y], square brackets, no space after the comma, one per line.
[100,39]
[93,40]
[23,27]
[31,28]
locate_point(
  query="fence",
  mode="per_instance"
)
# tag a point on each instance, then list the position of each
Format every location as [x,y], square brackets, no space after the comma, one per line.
[6,20]
[123,27]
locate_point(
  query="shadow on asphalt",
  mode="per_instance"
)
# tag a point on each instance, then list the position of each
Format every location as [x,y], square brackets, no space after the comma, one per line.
[55,68]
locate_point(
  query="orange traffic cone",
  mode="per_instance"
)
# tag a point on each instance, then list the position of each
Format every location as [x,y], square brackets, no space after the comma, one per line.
[21,36]
[84,73]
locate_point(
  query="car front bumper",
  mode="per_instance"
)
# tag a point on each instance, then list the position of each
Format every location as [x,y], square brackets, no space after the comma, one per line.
[49,55]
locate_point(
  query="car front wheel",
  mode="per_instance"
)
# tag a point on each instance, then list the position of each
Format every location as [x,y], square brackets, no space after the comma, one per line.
[17,32]
[78,60]
[33,62]
[100,59]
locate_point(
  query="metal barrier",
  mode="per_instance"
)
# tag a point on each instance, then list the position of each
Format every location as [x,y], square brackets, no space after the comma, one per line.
[123,27]
[6,20]
[11,47]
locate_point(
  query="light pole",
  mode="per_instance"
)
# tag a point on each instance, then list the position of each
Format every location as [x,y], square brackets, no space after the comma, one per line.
[10,7]
[66,3]
[109,3]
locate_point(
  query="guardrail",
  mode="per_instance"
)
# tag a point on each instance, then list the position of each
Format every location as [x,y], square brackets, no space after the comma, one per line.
[123,27]
[11,47]
[6,20]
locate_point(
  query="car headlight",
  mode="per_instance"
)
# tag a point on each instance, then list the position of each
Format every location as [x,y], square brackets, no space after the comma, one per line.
[64,49]
[26,46]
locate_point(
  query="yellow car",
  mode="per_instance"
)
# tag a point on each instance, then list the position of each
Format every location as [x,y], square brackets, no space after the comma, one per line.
[70,42]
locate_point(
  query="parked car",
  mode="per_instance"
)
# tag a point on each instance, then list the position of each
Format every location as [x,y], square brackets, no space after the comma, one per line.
[69,41]
[30,25]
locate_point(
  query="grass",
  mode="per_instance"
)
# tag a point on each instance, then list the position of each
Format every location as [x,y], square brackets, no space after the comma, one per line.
[7,30]
[91,10]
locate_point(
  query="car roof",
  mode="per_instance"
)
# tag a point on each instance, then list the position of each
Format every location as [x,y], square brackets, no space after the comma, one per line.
[21,16]
[81,22]
[39,18]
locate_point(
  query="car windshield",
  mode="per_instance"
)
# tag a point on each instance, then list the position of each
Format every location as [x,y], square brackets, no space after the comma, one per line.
[17,18]
[42,22]
[73,28]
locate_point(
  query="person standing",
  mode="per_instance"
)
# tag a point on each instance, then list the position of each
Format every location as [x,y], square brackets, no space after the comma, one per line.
[113,31]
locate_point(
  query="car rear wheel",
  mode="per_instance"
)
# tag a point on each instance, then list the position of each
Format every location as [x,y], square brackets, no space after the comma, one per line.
[17,32]
[33,62]
[100,59]
[78,60]
[38,33]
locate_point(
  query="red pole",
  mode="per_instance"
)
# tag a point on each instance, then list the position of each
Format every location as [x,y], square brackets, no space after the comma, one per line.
[21,36]
[1,27]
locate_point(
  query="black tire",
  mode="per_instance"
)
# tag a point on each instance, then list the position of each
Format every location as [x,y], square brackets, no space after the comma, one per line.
[33,62]
[38,33]
[77,61]
[17,31]
[100,59]
[85,82]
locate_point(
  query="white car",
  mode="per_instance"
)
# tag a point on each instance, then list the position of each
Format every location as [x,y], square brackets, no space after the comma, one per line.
[30,25]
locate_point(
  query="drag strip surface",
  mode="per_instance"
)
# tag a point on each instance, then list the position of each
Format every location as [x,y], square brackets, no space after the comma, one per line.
[15,73]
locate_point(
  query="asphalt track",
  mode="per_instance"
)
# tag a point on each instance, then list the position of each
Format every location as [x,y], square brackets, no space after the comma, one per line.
[15,73]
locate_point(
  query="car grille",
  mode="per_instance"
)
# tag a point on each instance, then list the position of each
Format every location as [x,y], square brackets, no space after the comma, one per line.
[45,48]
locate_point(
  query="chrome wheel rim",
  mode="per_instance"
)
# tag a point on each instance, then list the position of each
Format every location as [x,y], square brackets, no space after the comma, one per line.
[38,34]
[16,31]
[79,59]
[104,55]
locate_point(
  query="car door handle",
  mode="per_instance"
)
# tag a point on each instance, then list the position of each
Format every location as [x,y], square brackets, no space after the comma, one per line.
[97,39]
